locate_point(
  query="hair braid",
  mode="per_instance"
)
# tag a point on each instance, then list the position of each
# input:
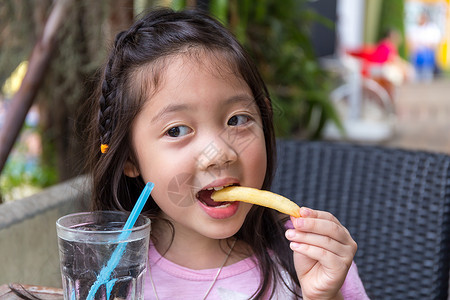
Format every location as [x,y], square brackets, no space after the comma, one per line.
[112,78]
[109,92]
[106,101]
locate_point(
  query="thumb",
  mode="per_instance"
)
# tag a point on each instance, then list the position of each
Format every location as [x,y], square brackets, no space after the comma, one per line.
[303,264]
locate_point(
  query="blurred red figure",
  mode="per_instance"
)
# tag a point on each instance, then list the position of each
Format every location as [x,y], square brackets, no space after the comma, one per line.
[382,63]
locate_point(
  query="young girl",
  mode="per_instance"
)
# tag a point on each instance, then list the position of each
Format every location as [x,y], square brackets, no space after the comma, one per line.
[182,105]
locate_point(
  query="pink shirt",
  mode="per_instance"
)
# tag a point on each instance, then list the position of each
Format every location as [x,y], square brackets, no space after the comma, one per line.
[237,281]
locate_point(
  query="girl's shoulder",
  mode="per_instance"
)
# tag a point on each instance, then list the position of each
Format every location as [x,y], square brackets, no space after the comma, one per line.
[353,288]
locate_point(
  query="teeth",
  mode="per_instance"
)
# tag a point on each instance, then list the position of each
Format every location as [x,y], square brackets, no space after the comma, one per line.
[217,188]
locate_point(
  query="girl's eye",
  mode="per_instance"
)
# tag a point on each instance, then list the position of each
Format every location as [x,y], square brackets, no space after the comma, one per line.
[178,131]
[238,120]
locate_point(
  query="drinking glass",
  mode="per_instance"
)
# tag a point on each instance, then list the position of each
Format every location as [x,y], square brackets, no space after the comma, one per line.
[87,242]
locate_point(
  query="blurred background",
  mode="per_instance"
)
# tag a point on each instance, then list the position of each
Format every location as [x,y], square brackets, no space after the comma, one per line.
[360,71]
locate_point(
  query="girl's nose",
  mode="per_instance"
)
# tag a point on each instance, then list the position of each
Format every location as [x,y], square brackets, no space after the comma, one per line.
[217,154]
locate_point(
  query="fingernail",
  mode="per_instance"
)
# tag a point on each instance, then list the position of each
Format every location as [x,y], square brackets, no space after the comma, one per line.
[299,222]
[290,233]
[305,212]
[294,245]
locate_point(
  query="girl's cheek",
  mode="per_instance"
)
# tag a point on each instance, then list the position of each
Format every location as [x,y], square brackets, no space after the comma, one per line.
[258,156]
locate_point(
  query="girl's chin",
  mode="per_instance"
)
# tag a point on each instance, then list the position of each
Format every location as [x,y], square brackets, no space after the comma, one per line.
[220,212]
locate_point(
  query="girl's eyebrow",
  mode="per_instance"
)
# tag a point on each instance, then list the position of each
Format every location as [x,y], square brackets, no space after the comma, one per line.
[240,98]
[170,109]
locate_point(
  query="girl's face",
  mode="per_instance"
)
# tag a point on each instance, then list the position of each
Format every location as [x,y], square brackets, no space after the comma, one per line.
[200,130]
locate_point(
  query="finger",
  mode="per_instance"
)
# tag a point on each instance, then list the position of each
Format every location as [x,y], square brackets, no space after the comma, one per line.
[323,227]
[325,242]
[326,258]
[303,264]
[306,212]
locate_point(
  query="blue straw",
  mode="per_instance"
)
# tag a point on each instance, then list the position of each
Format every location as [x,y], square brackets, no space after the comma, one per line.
[105,273]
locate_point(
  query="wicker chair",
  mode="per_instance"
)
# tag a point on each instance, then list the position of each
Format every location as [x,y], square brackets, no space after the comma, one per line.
[395,203]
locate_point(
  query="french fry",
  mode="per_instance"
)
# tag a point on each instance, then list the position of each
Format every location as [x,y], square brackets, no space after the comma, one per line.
[258,197]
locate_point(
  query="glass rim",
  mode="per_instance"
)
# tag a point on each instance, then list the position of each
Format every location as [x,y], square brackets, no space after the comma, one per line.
[146,224]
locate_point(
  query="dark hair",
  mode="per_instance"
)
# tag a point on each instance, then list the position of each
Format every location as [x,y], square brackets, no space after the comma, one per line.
[146,44]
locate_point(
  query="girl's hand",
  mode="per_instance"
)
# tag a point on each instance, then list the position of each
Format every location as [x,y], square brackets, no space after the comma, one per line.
[323,253]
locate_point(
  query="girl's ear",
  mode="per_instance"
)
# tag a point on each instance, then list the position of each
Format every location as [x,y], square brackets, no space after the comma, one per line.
[130,169]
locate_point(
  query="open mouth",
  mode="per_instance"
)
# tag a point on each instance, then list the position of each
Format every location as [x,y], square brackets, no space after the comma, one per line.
[204,196]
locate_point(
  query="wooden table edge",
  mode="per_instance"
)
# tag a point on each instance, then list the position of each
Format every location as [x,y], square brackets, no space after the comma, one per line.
[33,289]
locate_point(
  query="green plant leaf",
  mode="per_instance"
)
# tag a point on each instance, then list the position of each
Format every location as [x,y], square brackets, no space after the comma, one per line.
[178,4]
[219,9]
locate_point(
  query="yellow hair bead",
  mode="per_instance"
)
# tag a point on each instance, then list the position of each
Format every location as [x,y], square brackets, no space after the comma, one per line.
[104,148]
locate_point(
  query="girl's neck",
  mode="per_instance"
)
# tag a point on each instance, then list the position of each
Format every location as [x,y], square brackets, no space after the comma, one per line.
[195,251]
